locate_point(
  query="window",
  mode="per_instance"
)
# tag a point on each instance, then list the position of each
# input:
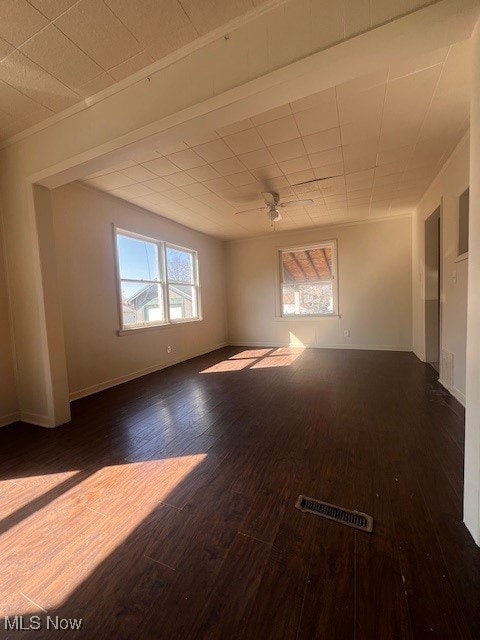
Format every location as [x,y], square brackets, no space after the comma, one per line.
[181,278]
[463,214]
[158,282]
[308,280]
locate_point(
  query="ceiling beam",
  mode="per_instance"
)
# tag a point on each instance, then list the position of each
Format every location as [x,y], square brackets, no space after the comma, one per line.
[300,268]
[174,107]
[287,270]
[309,258]
[327,262]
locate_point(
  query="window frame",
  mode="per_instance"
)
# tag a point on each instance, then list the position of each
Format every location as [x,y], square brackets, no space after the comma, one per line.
[162,282]
[195,283]
[334,280]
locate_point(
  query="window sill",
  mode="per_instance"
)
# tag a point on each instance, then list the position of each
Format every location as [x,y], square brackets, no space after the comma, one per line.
[305,317]
[152,327]
[461,257]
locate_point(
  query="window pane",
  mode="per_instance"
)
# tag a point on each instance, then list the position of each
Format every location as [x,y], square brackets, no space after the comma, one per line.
[307,299]
[180,265]
[182,300]
[142,303]
[307,265]
[138,259]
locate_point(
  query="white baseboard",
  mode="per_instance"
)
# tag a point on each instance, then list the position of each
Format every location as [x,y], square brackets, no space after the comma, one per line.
[24,416]
[107,384]
[458,395]
[359,347]
[35,418]
[9,418]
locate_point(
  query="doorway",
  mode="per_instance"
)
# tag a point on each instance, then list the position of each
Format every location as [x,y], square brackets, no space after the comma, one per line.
[432,289]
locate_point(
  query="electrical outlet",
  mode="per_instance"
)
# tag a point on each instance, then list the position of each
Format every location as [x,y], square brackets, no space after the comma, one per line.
[169,349]
[346,333]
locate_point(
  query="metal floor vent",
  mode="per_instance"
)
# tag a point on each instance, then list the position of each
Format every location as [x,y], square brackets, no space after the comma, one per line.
[353,519]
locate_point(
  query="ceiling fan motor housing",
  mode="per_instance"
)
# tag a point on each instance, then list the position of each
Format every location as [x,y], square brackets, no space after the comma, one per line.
[274,214]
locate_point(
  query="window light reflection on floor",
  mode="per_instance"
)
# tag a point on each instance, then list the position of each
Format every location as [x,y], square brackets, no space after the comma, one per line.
[258,359]
[94,508]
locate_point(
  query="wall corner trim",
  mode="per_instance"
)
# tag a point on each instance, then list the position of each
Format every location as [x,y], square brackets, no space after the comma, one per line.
[36,419]
[9,419]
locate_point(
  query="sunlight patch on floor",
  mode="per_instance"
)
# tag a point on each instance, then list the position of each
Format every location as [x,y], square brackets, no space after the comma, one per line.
[72,535]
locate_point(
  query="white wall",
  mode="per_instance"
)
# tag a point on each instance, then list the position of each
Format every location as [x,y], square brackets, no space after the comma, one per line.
[8,395]
[445,190]
[96,356]
[184,98]
[472,423]
[375,290]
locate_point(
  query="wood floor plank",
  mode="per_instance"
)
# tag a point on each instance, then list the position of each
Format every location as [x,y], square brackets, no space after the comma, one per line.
[166,507]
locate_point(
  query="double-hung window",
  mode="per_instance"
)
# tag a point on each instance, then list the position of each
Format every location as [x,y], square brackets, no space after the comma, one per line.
[158,282]
[308,277]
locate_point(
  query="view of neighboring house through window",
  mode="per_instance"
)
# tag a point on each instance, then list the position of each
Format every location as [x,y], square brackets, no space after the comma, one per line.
[158,282]
[181,278]
[308,280]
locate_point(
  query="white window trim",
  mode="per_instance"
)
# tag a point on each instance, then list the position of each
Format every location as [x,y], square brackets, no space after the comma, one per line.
[302,247]
[163,282]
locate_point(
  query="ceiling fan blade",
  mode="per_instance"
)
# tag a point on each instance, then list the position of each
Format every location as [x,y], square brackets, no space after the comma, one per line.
[270,198]
[250,210]
[316,180]
[296,203]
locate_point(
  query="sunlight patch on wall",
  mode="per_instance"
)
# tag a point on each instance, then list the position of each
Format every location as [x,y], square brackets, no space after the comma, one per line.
[295,341]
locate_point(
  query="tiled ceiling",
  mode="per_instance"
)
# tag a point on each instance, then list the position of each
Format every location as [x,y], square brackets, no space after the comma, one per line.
[385,136]
[55,53]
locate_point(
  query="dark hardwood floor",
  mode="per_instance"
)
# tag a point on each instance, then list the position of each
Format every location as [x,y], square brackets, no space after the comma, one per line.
[165,509]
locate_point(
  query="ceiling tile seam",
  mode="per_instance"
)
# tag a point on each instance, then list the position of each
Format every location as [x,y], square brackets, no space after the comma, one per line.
[44,106]
[341,140]
[79,47]
[266,146]
[380,137]
[15,49]
[131,33]
[74,89]
[43,16]
[135,204]
[50,24]
[427,110]
[59,15]
[179,2]
[155,67]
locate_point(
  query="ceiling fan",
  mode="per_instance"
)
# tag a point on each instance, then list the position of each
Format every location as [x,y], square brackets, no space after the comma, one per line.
[273,204]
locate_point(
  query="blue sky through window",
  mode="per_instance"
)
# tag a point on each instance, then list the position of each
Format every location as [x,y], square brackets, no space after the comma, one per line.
[138,259]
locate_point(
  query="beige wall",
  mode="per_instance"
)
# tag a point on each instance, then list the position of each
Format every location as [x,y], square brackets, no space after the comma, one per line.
[472,423]
[8,395]
[96,356]
[374,278]
[444,191]
[179,100]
